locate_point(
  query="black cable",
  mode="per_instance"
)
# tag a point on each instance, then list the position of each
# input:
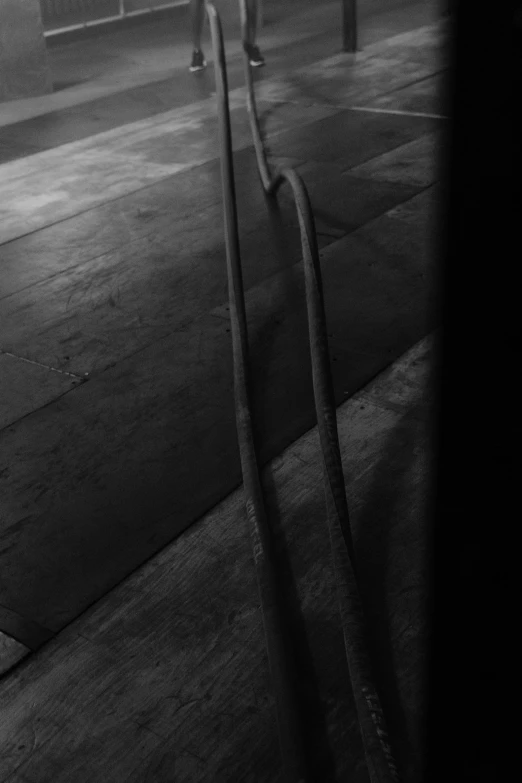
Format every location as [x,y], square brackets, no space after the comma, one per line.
[371,719]
[279,656]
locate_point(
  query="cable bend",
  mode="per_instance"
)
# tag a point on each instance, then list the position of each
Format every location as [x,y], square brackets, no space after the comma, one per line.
[381,764]
[282,669]
[378,754]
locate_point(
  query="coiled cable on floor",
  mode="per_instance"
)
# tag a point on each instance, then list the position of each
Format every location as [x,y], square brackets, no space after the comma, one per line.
[371,720]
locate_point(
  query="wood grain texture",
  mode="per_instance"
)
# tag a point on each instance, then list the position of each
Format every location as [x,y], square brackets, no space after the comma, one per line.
[57,183]
[415,163]
[171,269]
[353,139]
[166,678]
[428,96]
[25,387]
[398,388]
[167,425]
[11,652]
[54,184]
[164,208]
[346,79]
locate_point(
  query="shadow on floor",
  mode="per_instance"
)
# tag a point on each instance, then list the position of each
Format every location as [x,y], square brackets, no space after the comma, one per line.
[391,544]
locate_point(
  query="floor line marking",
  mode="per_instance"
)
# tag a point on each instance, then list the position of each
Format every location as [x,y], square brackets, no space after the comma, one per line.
[344,104]
[44,366]
[399,112]
[20,169]
[349,107]
[5,239]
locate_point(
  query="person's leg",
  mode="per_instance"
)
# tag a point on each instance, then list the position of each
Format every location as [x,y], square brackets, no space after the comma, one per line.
[251,6]
[256,58]
[197,17]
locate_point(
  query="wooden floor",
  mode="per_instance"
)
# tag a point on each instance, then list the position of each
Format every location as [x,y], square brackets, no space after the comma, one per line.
[117,412]
[104,81]
[166,678]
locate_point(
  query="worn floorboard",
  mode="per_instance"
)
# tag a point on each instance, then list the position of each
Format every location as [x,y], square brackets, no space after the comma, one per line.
[346,79]
[113,269]
[172,270]
[97,115]
[167,454]
[58,248]
[353,139]
[26,386]
[11,652]
[118,161]
[58,183]
[166,677]
[414,163]
[428,96]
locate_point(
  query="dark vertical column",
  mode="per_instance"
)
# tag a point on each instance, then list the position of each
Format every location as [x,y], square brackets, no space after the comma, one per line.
[349,25]
[24,67]
[476,480]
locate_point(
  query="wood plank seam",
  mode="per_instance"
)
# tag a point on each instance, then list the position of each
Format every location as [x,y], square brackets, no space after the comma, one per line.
[352,107]
[182,169]
[398,112]
[29,706]
[43,366]
[26,631]
[158,121]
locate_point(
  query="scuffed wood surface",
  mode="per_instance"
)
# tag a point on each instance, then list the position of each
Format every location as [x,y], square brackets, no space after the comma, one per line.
[383,67]
[58,183]
[167,425]
[11,652]
[54,184]
[414,163]
[25,387]
[166,677]
[428,96]
[170,265]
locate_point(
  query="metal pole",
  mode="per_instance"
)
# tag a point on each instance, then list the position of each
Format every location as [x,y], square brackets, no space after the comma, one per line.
[349,21]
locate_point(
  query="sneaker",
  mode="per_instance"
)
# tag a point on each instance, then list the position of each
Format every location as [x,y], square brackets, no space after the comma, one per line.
[254,55]
[198,61]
